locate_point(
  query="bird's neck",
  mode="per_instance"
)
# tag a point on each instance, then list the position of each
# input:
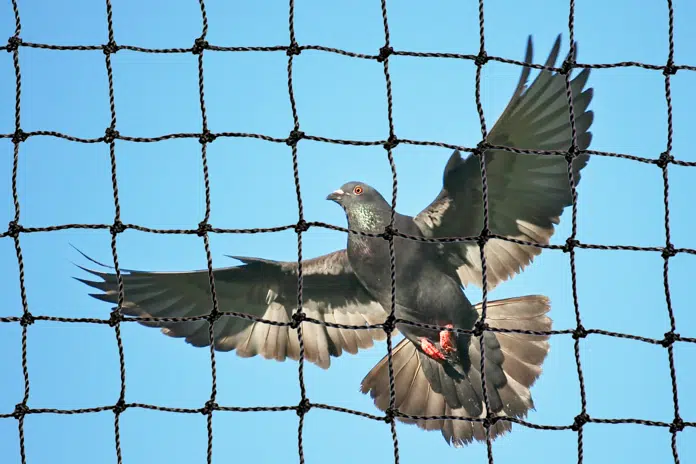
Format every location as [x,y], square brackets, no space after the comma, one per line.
[367,218]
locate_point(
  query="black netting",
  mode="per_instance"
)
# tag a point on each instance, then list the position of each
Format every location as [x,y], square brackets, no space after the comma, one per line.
[15,229]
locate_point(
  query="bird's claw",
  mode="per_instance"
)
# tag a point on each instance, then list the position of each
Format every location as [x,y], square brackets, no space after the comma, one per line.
[431,350]
[446,339]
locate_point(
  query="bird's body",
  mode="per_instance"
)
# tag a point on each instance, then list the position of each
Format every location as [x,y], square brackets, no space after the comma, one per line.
[436,372]
[434,295]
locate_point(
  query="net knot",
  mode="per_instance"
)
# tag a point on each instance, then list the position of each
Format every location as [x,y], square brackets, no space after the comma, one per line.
[388,233]
[481,59]
[479,328]
[293,49]
[677,425]
[120,406]
[303,407]
[13,229]
[389,324]
[117,227]
[294,137]
[27,319]
[13,43]
[670,69]
[297,319]
[488,421]
[203,228]
[484,236]
[389,415]
[214,316]
[384,53]
[670,338]
[567,66]
[572,153]
[20,411]
[110,134]
[391,142]
[664,159]
[481,148]
[207,137]
[19,136]
[579,421]
[570,245]
[115,318]
[209,407]
[669,251]
[110,48]
[199,45]
[301,226]
[579,332]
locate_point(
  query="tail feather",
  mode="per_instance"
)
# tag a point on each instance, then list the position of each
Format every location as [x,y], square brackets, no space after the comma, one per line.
[424,387]
[522,354]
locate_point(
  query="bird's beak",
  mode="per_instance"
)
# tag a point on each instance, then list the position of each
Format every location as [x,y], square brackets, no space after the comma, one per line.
[336,195]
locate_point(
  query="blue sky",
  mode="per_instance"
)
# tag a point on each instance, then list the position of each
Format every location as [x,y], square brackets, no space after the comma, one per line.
[161,185]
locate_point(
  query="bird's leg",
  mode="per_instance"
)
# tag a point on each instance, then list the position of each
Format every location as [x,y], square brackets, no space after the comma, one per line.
[446,339]
[431,350]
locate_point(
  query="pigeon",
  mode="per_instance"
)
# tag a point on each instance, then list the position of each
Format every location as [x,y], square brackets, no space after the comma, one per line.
[436,372]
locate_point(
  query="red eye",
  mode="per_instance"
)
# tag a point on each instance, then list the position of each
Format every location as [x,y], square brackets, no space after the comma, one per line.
[358,190]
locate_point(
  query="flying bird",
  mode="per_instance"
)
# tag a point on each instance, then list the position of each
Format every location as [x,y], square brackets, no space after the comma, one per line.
[436,372]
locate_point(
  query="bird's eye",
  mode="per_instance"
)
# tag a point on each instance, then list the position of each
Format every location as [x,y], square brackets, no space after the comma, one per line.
[358,190]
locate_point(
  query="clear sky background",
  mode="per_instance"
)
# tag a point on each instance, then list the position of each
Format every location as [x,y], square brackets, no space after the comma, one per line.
[161,185]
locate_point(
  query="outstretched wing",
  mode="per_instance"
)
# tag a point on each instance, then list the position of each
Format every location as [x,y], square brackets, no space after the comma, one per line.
[526,193]
[262,288]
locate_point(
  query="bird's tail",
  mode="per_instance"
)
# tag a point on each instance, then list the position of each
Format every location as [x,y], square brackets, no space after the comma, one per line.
[426,387]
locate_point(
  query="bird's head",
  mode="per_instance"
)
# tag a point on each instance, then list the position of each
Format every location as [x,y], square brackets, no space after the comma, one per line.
[352,194]
[365,207]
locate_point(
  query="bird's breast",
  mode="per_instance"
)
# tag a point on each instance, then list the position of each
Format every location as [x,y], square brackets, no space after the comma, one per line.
[369,259]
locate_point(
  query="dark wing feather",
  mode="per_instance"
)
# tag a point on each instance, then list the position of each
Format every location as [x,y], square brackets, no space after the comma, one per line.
[262,288]
[526,193]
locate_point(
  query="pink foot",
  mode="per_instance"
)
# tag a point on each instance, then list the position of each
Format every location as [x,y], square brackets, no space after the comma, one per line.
[446,339]
[431,350]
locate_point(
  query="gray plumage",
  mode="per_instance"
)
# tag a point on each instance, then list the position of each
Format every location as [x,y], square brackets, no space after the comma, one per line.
[262,288]
[527,194]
